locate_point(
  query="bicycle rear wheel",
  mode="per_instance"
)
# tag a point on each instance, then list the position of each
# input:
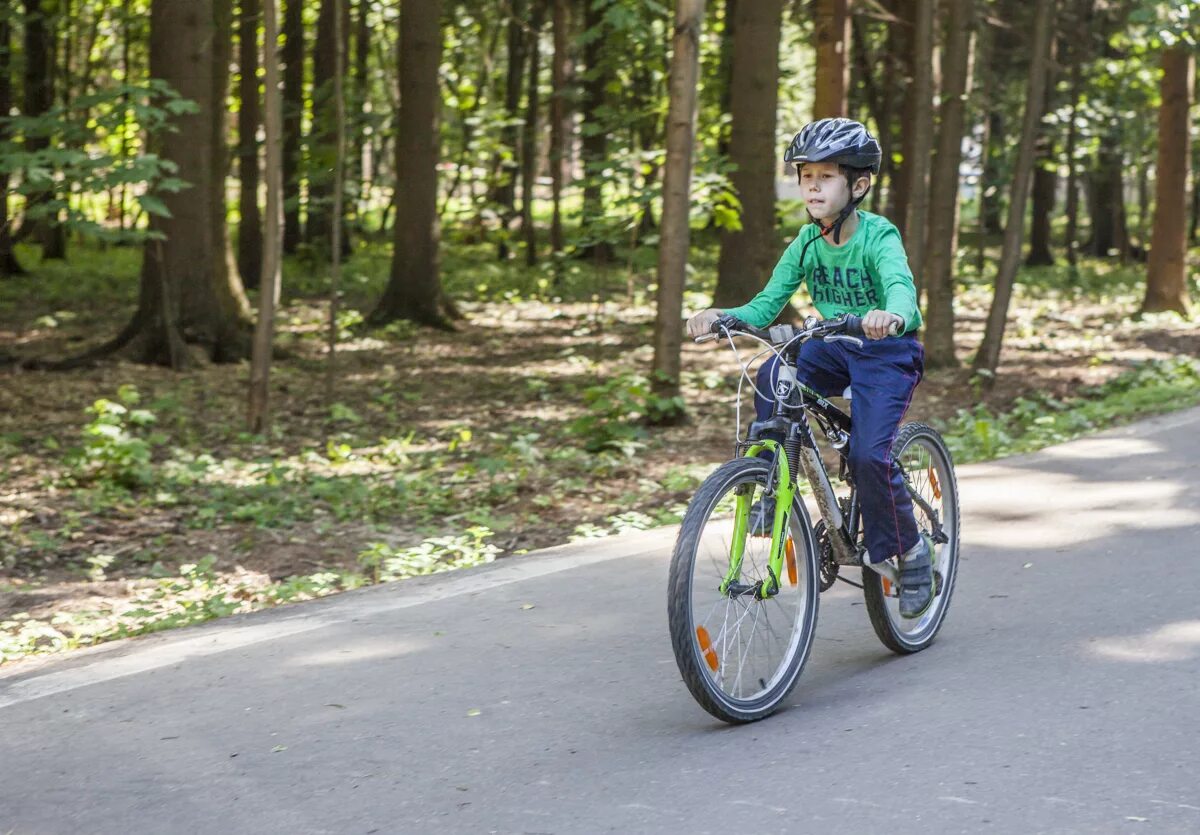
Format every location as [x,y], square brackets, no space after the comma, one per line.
[922,453]
[740,655]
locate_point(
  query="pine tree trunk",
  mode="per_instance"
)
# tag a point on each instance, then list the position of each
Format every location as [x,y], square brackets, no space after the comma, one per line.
[1045,183]
[725,72]
[8,258]
[993,205]
[594,141]
[833,45]
[1166,273]
[505,193]
[1035,95]
[748,254]
[357,170]
[1107,199]
[943,225]
[38,98]
[414,290]
[293,115]
[529,135]
[916,223]
[250,233]
[268,299]
[677,175]
[321,143]
[559,129]
[1072,208]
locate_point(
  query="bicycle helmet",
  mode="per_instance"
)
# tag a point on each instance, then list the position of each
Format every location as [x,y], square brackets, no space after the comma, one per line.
[844,142]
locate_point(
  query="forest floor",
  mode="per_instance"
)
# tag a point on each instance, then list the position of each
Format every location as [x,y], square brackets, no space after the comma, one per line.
[520,431]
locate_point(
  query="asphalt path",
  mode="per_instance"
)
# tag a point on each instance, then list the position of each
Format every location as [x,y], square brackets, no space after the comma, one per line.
[540,694]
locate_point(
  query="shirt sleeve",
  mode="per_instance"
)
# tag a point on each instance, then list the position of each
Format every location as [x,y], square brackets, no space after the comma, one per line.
[891,267]
[762,310]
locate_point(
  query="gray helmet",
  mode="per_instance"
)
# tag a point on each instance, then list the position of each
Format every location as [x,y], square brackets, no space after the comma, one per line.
[842,141]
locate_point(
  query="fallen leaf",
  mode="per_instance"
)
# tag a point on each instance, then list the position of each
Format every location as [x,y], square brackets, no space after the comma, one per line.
[278,748]
[526,605]
[474,711]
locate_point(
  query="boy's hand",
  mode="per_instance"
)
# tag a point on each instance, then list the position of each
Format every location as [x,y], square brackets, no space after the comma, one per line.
[879,323]
[701,324]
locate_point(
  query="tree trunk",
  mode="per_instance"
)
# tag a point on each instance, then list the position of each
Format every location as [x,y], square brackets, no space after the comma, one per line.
[677,176]
[1035,95]
[505,193]
[321,142]
[916,222]
[833,70]
[529,134]
[594,141]
[356,165]
[293,115]
[943,225]
[39,97]
[993,206]
[250,233]
[1107,198]
[338,111]
[1045,183]
[414,290]
[1072,209]
[260,369]
[559,128]
[725,73]
[1166,273]
[8,258]
[747,254]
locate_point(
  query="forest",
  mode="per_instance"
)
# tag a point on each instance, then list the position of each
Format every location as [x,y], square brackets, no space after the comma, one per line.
[298,296]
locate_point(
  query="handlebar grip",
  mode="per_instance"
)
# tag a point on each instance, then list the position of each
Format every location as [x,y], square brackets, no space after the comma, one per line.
[854,326]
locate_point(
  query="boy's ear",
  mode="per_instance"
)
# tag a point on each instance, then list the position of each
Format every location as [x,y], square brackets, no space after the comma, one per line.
[860,186]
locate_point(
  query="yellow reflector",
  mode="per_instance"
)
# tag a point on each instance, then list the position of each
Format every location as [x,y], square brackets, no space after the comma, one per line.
[789,549]
[706,648]
[937,490]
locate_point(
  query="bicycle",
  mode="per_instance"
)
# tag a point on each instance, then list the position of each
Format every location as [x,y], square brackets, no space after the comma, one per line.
[732,590]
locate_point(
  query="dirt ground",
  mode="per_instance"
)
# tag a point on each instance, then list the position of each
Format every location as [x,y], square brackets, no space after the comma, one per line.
[512,368]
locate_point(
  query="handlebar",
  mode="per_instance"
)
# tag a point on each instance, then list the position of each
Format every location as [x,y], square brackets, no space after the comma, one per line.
[847,325]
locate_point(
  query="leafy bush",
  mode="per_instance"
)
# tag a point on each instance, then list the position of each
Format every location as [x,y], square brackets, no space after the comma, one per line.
[116,446]
[618,411]
[443,553]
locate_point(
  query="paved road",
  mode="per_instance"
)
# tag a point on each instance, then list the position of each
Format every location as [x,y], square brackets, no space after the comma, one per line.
[1062,695]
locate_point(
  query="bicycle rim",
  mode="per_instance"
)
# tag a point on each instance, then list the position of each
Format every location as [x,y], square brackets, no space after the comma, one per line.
[741,654]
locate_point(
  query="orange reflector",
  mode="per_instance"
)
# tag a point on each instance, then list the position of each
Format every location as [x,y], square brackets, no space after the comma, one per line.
[710,654]
[789,550]
[887,587]
[937,490]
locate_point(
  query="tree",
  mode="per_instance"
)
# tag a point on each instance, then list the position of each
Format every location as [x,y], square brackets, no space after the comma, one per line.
[943,214]
[1166,274]
[293,116]
[504,194]
[272,254]
[328,70]
[40,22]
[748,253]
[414,290]
[559,128]
[677,176]
[8,259]
[1045,180]
[921,146]
[250,232]
[529,135]
[988,356]
[594,139]
[188,286]
[833,70]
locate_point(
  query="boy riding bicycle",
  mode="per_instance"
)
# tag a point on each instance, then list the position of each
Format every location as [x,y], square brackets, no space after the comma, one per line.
[852,261]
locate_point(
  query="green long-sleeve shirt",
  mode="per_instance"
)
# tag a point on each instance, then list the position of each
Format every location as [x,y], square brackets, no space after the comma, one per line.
[868,272]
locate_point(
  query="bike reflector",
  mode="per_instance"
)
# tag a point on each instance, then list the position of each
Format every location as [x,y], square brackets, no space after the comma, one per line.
[706,648]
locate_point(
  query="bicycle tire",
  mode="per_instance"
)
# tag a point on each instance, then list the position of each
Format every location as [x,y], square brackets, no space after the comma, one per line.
[699,673]
[885,621]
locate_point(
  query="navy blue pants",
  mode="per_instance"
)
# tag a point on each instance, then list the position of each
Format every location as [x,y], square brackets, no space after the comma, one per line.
[883,374]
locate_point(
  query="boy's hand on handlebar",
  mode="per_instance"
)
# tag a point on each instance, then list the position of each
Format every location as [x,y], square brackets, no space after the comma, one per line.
[879,323]
[701,324]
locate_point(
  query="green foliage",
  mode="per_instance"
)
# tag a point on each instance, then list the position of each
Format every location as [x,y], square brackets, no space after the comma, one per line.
[117,445]
[981,434]
[618,410]
[444,553]
[83,157]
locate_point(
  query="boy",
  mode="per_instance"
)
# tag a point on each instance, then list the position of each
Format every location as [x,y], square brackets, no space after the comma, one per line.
[853,262]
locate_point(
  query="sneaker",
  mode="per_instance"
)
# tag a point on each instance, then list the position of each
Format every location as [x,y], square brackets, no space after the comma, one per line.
[762,516]
[916,579]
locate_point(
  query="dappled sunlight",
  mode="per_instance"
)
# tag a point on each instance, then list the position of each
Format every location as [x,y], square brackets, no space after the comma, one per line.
[1094,449]
[1040,509]
[1178,641]
[357,651]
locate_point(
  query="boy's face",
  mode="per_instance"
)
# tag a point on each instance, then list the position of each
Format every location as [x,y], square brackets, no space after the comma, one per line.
[824,189]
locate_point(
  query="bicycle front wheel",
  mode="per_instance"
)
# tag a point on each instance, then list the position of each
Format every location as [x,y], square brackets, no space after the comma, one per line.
[739,652]
[929,470]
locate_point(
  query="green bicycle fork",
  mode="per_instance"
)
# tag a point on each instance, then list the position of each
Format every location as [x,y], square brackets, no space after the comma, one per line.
[784,493]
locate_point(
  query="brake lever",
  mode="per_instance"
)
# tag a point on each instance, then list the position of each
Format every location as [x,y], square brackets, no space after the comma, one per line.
[708,337]
[844,338]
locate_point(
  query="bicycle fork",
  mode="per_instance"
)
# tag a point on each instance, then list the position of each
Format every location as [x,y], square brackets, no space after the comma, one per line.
[785,491]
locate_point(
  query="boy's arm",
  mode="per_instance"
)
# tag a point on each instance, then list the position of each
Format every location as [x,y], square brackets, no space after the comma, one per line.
[899,291]
[761,310]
